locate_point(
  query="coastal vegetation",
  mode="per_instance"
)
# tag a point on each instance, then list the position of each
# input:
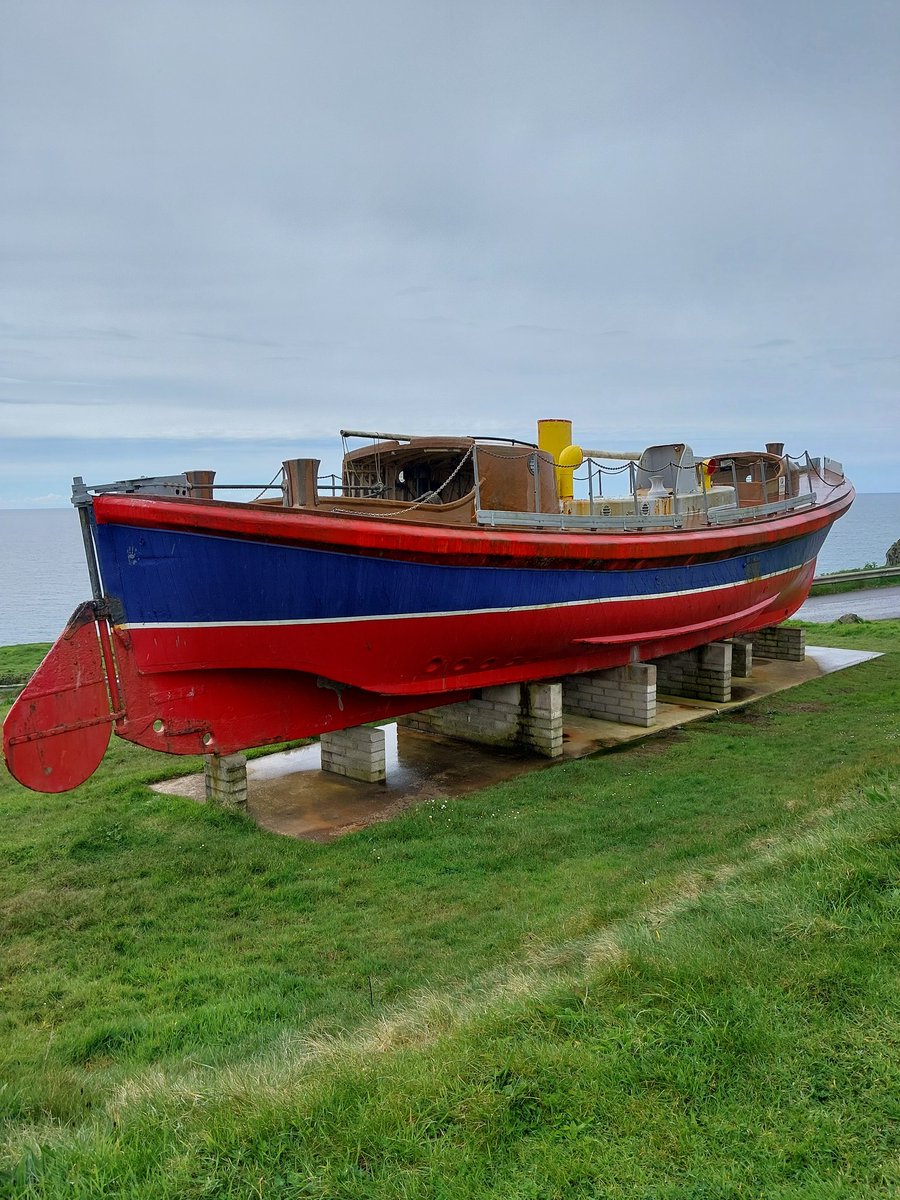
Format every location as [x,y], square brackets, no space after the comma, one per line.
[664,973]
[837,589]
[17,663]
[826,587]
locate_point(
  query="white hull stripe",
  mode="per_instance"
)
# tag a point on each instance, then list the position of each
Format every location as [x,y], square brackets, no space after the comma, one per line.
[464,612]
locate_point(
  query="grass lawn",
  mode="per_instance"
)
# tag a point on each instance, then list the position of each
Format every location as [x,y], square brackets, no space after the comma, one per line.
[18,662]
[668,972]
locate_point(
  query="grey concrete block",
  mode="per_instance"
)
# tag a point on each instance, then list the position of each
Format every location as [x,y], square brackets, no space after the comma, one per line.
[779,642]
[702,674]
[626,694]
[225,779]
[356,753]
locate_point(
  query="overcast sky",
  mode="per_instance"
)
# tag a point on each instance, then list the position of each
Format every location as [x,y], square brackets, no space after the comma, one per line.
[229,229]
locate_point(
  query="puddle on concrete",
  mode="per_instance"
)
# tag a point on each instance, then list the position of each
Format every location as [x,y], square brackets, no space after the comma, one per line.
[289,793]
[297,798]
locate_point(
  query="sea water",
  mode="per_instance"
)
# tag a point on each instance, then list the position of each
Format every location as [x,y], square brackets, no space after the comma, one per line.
[44,577]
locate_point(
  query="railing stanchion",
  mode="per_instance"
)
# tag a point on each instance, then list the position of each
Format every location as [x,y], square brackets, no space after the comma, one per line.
[632,474]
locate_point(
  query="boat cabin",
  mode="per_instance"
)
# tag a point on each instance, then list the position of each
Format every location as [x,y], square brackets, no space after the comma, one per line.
[444,480]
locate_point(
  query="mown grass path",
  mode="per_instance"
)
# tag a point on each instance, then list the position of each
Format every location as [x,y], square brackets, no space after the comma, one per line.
[666,972]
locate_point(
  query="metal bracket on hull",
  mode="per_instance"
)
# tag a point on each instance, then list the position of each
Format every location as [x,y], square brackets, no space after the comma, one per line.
[147,485]
[333,686]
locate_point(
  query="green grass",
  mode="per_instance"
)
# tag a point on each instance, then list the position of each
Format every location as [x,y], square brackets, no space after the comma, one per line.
[18,663]
[668,972]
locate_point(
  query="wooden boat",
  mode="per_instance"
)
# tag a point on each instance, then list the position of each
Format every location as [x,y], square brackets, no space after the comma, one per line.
[432,567]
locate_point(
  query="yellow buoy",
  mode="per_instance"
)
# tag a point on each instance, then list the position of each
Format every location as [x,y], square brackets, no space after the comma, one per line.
[554,437]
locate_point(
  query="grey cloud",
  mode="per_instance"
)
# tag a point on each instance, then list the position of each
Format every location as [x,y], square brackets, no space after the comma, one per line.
[233,338]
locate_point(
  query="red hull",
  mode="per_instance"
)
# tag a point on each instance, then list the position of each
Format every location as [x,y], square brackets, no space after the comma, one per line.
[432,613]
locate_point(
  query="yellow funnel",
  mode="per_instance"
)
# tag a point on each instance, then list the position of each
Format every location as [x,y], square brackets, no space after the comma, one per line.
[554,437]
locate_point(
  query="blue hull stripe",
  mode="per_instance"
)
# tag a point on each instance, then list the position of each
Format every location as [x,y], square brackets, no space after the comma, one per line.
[168,577]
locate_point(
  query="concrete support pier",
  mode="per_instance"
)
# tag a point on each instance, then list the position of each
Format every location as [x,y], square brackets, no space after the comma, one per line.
[741,658]
[700,674]
[626,694]
[780,642]
[542,718]
[357,753]
[527,714]
[225,780]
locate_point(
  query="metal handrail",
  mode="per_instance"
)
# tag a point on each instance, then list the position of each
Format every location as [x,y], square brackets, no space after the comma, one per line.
[860,575]
[729,514]
[495,518]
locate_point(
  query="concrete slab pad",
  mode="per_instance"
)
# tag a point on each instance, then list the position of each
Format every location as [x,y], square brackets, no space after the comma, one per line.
[829,659]
[288,793]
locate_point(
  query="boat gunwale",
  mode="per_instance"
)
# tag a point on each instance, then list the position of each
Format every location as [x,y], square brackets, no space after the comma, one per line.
[473,545]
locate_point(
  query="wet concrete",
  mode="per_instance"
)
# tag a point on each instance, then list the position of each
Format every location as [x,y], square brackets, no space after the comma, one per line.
[872,604]
[288,793]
